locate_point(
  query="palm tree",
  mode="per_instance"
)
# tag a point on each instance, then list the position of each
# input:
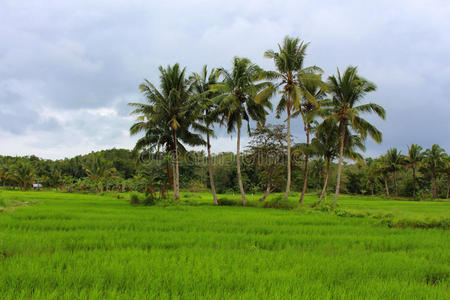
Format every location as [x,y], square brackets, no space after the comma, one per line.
[98,170]
[289,63]
[347,91]
[201,88]
[23,173]
[395,162]
[168,117]
[413,161]
[313,91]
[382,169]
[242,97]
[434,159]
[326,144]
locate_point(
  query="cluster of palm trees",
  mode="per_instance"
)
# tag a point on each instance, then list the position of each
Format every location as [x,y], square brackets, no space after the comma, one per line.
[184,109]
[431,162]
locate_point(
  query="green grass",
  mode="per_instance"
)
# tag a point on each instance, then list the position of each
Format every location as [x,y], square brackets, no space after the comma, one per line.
[72,246]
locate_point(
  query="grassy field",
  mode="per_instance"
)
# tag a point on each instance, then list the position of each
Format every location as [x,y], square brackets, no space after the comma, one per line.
[70,246]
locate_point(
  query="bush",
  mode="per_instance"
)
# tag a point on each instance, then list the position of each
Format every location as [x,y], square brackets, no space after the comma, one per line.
[149,200]
[134,199]
[279,202]
[227,202]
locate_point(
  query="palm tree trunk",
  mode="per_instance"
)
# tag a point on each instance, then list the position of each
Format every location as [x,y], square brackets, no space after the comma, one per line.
[288,137]
[448,185]
[386,186]
[433,186]
[268,189]
[238,165]
[211,176]
[395,184]
[176,181]
[341,158]
[414,181]
[171,181]
[324,189]
[305,173]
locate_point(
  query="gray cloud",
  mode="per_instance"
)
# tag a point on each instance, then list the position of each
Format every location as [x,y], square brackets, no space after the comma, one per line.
[68,68]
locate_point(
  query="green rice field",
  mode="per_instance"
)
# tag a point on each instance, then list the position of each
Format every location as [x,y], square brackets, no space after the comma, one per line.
[75,246]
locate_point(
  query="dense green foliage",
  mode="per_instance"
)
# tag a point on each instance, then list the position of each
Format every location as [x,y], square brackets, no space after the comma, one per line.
[70,246]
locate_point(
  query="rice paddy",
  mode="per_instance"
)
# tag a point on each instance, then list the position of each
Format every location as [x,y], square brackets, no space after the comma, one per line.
[75,246]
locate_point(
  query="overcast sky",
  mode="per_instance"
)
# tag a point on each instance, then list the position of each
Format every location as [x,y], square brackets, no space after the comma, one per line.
[69,68]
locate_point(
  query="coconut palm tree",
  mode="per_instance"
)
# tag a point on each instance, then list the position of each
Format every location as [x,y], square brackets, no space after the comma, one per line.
[289,63]
[313,91]
[242,97]
[395,162]
[326,144]
[98,171]
[382,170]
[413,161]
[23,174]
[169,112]
[201,88]
[347,92]
[434,159]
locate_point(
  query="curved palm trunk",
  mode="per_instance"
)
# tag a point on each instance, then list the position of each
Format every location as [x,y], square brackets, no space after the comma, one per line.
[238,165]
[324,189]
[176,177]
[339,171]
[288,137]
[211,176]
[414,182]
[305,173]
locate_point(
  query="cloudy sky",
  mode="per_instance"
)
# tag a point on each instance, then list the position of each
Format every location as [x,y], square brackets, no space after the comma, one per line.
[69,68]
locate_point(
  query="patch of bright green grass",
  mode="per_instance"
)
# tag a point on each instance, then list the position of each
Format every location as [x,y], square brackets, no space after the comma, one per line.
[73,246]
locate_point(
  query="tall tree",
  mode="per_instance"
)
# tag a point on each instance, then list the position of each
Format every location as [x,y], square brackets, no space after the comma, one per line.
[267,149]
[347,92]
[413,161]
[23,173]
[434,159]
[243,97]
[313,91]
[169,112]
[98,171]
[395,161]
[201,88]
[326,144]
[289,64]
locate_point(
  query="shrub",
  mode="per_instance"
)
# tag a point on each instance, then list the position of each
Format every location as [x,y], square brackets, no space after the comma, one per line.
[227,202]
[279,202]
[134,199]
[149,200]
